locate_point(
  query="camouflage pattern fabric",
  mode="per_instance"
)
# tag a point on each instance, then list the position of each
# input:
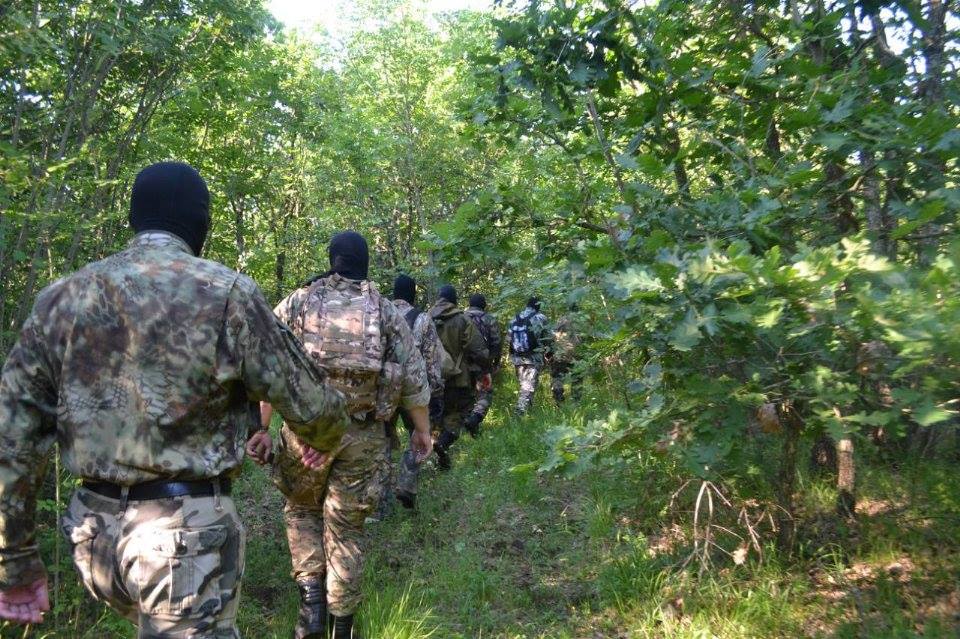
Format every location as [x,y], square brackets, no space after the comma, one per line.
[146,365]
[566,339]
[528,376]
[427,341]
[408,376]
[491,332]
[544,334]
[484,400]
[562,372]
[171,566]
[326,509]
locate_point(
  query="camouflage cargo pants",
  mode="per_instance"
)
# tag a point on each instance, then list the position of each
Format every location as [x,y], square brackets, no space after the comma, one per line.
[528,375]
[171,566]
[562,372]
[482,404]
[326,509]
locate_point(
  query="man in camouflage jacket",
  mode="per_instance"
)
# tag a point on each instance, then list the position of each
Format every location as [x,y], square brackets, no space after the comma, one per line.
[146,367]
[563,363]
[428,343]
[490,330]
[326,509]
[529,365]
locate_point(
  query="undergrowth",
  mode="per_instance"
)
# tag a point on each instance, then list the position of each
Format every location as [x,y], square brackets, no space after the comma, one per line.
[497,549]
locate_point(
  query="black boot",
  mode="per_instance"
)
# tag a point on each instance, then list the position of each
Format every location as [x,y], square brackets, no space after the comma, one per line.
[472,424]
[442,448]
[312,620]
[343,628]
[407,500]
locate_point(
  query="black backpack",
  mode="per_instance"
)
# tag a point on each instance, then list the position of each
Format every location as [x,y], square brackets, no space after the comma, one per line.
[523,341]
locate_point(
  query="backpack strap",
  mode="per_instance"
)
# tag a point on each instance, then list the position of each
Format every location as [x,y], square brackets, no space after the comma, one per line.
[411,316]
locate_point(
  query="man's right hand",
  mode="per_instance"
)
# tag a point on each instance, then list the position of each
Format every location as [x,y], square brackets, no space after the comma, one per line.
[25,604]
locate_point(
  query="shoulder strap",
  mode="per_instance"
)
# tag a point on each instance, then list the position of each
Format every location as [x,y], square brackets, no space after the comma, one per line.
[411,316]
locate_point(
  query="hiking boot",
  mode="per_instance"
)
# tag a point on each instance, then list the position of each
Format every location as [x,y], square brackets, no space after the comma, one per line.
[407,500]
[343,628]
[312,619]
[442,449]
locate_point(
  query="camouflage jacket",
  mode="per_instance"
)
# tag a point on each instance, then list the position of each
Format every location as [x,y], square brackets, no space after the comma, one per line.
[491,331]
[145,365]
[462,341]
[398,343]
[427,341]
[566,339]
[544,334]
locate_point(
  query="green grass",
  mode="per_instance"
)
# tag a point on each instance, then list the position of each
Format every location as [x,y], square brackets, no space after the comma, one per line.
[496,550]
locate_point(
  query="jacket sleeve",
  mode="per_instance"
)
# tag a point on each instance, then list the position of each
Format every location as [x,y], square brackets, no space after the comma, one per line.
[28,400]
[474,346]
[415,385]
[274,368]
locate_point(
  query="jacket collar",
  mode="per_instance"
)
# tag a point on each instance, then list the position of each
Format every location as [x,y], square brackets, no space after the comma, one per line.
[160,239]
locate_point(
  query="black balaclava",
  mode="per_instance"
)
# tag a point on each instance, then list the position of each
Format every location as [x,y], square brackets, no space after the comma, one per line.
[349,256]
[447,292]
[405,288]
[172,197]
[477,300]
[534,303]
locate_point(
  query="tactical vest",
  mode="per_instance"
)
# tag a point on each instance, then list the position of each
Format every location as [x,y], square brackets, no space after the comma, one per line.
[343,333]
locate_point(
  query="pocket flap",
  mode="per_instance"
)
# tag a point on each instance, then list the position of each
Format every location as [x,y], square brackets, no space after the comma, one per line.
[187,542]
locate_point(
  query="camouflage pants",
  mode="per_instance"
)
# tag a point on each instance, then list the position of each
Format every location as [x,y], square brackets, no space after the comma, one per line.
[326,509]
[482,404]
[528,375]
[562,372]
[457,402]
[171,566]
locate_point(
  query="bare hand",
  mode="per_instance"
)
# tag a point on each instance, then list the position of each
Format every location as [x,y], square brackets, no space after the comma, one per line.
[421,444]
[260,447]
[313,458]
[25,604]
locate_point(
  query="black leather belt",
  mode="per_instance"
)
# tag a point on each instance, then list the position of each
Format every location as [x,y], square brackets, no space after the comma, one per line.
[160,489]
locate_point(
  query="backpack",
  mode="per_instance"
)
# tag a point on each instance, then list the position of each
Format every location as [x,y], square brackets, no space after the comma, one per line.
[482,327]
[523,341]
[343,334]
[449,367]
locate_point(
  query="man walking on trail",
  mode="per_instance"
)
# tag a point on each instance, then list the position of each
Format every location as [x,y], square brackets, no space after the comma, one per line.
[490,331]
[563,363]
[365,345]
[463,342]
[144,367]
[531,343]
[427,342]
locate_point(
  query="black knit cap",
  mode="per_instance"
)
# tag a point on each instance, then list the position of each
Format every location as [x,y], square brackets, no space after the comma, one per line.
[349,255]
[405,288]
[477,300]
[448,293]
[534,303]
[172,197]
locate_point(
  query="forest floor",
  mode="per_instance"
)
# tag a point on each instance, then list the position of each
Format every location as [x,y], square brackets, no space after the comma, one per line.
[498,550]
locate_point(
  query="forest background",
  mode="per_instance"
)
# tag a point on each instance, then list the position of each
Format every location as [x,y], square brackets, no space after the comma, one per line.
[751,204]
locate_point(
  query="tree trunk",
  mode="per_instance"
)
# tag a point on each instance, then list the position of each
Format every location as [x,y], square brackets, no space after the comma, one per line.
[787,478]
[846,478]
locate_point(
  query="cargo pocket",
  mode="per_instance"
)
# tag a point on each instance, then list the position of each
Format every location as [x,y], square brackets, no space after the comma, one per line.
[82,534]
[179,571]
